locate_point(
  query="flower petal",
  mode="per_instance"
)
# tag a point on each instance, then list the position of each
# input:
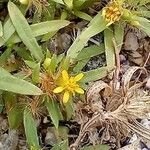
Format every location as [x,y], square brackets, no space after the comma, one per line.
[66,97]
[78,77]
[65,75]
[58,89]
[79,90]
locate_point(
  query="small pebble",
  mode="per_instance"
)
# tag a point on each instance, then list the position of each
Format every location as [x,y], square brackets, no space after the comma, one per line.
[144,149]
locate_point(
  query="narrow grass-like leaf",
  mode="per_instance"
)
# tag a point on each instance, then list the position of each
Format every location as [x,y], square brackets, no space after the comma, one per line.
[24,31]
[78,3]
[1,29]
[16,85]
[15,117]
[143,13]
[9,29]
[82,15]
[43,28]
[69,108]
[90,51]
[85,55]
[2,42]
[80,65]
[36,73]
[54,111]
[23,53]
[69,3]
[58,1]
[53,64]
[64,65]
[119,35]
[31,64]
[7,32]
[95,74]
[81,40]
[5,55]
[30,129]
[109,48]
[144,25]
[48,26]
[37,29]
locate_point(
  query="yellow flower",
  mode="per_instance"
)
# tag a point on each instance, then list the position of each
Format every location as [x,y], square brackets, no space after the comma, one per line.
[112,12]
[69,85]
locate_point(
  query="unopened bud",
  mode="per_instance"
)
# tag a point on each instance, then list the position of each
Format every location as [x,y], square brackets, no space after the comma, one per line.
[135,23]
[24,2]
[46,63]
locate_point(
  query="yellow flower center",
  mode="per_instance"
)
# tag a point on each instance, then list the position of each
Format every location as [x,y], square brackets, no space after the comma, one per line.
[112,12]
[69,85]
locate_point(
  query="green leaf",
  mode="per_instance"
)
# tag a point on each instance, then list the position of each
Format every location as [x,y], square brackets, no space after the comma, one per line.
[43,28]
[53,65]
[16,85]
[1,41]
[36,73]
[37,30]
[1,29]
[80,65]
[69,3]
[58,1]
[30,64]
[90,51]
[78,3]
[23,53]
[5,55]
[95,74]
[48,26]
[85,55]
[54,111]
[64,65]
[109,47]
[15,117]
[24,31]
[82,15]
[96,26]
[70,111]
[143,13]
[119,35]
[144,24]
[30,129]
[8,30]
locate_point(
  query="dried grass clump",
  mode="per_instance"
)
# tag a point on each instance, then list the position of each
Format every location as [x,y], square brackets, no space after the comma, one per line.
[112,111]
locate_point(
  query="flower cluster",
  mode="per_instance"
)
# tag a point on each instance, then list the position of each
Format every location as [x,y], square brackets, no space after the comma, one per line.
[68,85]
[112,12]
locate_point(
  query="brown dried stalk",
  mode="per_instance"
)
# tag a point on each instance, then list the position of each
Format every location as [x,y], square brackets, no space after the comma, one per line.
[115,111]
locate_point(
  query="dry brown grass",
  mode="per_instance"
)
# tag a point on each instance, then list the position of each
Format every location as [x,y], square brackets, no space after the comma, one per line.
[113,110]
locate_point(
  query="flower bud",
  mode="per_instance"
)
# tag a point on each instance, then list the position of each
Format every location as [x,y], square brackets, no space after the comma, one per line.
[46,63]
[24,2]
[135,23]
[126,14]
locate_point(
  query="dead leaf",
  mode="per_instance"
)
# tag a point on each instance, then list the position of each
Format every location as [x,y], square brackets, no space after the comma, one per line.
[131,42]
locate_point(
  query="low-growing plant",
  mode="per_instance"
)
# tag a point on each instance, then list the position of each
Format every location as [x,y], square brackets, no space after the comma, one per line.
[37,82]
